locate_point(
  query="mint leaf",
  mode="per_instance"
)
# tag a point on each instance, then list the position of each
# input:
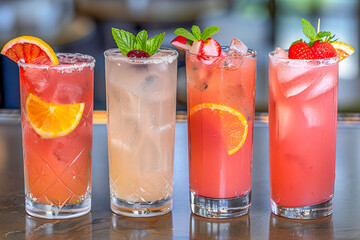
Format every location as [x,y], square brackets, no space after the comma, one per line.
[308,30]
[323,34]
[153,44]
[124,40]
[185,33]
[196,32]
[141,38]
[209,31]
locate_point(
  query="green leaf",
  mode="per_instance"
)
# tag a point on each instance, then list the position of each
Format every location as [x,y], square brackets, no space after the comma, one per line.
[141,38]
[196,32]
[323,34]
[153,44]
[308,30]
[298,41]
[124,40]
[209,31]
[185,33]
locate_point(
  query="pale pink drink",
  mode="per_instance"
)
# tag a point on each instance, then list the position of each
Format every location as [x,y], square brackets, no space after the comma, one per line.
[302,132]
[57,168]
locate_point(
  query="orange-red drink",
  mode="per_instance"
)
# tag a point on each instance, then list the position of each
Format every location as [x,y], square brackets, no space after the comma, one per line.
[56,112]
[302,128]
[220,95]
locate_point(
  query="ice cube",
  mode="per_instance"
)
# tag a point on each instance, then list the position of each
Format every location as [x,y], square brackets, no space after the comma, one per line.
[297,85]
[231,63]
[322,85]
[38,79]
[280,53]
[237,48]
[290,70]
[67,93]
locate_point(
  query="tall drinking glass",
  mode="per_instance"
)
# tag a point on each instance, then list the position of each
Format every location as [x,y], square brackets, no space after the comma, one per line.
[141,108]
[56,116]
[302,130]
[221,96]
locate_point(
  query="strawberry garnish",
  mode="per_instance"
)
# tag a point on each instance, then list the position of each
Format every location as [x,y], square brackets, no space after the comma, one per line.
[300,50]
[182,43]
[210,50]
[321,50]
[318,47]
[207,48]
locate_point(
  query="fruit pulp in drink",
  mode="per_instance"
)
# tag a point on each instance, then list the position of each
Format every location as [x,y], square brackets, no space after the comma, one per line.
[302,130]
[228,83]
[141,106]
[58,170]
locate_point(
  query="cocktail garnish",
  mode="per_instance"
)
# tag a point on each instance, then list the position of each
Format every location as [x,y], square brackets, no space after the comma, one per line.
[321,45]
[30,50]
[126,42]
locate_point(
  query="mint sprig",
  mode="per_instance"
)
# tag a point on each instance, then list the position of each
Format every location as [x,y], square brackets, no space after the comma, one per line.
[309,32]
[196,33]
[126,41]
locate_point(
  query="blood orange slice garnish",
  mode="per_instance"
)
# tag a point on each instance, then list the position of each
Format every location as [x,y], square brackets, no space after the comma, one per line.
[29,49]
[234,125]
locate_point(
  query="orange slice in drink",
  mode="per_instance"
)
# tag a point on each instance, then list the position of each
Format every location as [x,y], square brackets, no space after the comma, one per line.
[234,124]
[342,49]
[29,49]
[52,120]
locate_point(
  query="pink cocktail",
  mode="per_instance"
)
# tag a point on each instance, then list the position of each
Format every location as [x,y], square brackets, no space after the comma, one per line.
[302,130]
[56,113]
[221,100]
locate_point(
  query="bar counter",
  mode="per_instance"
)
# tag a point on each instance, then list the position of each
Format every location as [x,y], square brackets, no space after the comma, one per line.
[101,223]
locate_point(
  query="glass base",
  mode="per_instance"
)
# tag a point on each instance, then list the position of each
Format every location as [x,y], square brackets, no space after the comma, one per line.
[57,212]
[220,208]
[308,212]
[147,209]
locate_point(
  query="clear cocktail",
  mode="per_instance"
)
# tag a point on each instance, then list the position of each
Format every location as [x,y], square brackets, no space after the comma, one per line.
[56,113]
[141,105]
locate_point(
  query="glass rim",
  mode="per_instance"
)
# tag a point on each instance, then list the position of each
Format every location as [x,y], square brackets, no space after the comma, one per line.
[272,55]
[115,54]
[90,63]
[252,53]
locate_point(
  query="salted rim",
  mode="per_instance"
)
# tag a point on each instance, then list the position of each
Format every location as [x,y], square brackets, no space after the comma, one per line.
[90,63]
[115,54]
[328,61]
[252,54]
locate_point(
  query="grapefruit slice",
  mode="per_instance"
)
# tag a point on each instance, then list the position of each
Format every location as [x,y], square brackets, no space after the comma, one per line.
[234,124]
[29,49]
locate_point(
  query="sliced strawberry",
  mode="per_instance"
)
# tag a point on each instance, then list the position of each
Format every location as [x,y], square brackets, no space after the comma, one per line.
[300,50]
[321,50]
[210,51]
[182,43]
[196,47]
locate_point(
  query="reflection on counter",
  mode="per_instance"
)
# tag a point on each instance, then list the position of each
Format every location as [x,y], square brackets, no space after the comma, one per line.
[141,228]
[281,228]
[232,228]
[75,228]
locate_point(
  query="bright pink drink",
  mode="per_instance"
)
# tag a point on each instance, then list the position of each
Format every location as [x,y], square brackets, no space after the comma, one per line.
[302,131]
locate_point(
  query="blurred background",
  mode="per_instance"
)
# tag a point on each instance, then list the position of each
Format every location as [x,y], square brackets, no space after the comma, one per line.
[84,26]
